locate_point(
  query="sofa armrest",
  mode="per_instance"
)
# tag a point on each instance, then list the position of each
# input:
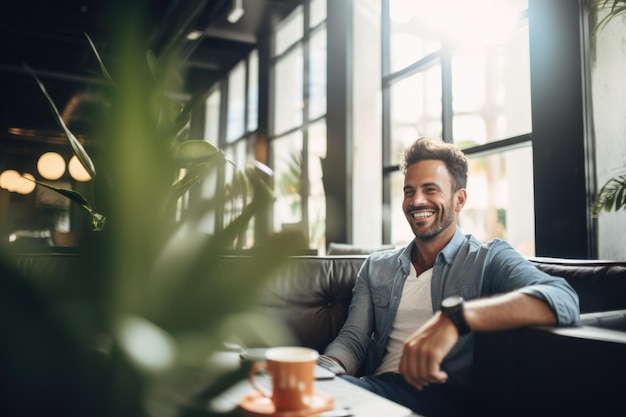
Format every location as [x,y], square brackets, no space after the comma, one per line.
[612,320]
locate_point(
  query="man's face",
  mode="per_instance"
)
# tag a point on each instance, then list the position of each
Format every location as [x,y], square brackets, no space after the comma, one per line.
[429,204]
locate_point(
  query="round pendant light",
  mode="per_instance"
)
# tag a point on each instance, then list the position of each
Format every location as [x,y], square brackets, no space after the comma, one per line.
[11,180]
[77,170]
[51,166]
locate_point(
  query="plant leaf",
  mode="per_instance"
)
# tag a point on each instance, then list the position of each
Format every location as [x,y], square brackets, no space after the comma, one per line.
[612,196]
[191,152]
[96,219]
[77,147]
[103,68]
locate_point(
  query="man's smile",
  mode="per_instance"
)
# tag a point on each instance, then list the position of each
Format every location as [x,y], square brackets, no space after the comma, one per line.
[422,214]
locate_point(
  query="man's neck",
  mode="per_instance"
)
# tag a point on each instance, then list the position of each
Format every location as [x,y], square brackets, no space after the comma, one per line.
[425,251]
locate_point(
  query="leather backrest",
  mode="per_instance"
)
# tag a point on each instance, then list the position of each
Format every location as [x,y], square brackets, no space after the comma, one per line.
[311,295]
[601,285]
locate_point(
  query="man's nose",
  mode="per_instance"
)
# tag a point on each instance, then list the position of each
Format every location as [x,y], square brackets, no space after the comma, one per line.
[418,198]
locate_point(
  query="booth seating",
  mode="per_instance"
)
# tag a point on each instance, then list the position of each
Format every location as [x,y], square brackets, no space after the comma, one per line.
[578,370]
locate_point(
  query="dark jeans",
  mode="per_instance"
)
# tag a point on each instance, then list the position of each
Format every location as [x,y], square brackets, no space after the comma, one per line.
[434,400]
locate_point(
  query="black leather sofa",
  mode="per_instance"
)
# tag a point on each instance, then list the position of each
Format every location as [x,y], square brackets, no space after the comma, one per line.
[527,372]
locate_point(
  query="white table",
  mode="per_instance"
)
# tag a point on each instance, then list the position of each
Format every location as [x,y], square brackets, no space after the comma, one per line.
[360,402]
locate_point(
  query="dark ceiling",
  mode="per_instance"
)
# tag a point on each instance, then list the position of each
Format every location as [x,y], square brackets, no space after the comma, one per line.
[48,36]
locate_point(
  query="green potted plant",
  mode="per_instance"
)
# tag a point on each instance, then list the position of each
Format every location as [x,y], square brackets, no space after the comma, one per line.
[154,302]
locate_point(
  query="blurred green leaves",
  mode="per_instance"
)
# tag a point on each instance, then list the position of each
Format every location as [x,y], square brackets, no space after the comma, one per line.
[152,277]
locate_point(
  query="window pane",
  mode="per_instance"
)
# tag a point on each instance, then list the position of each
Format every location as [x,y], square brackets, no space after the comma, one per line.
[415,109]
[253,91]
[413,33]
[212,118]
[317,74]
[317,12]
[287,165]
[288,91]
[289,31]
[234,205]
[236,102]
[491,90]
[500,200]
[317,197]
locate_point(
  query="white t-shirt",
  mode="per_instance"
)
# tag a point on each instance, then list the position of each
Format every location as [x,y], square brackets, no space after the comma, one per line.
[415,308]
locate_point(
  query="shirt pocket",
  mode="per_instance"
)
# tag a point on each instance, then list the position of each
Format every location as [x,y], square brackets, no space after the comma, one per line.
[380,299]
[468,293]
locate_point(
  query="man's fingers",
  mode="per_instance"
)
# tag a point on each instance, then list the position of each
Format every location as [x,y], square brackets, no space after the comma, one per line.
[420,366]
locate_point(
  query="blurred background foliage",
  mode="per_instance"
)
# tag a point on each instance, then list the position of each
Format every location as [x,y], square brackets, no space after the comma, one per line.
[150,301]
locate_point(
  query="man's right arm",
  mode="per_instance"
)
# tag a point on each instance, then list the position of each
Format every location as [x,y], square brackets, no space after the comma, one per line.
[349,347]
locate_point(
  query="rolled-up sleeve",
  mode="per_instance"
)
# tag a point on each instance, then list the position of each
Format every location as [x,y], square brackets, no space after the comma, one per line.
[514,272]
[561,298]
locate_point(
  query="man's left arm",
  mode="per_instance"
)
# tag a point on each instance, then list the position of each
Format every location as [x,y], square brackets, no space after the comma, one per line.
[425,350]
[539,299]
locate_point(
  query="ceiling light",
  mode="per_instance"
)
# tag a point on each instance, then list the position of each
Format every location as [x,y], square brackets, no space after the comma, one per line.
[51,166]
[77,170]
[236,11]
[11,180]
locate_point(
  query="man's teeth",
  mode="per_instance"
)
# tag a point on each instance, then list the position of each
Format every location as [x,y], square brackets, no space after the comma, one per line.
[423,215]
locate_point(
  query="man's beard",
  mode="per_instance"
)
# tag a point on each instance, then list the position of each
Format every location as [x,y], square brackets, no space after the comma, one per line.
[438,227]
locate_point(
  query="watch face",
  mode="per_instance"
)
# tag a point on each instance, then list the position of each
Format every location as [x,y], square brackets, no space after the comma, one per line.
[451,301]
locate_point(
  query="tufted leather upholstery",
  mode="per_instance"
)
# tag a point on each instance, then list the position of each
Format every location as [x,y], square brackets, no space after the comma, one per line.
[310,295]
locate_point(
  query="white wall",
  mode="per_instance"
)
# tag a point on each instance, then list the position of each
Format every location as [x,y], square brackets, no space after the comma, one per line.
[609,113]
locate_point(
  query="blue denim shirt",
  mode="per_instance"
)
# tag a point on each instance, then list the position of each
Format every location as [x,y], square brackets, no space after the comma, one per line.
[464,267]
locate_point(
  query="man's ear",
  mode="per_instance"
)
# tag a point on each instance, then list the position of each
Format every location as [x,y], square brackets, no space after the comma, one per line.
[461,197]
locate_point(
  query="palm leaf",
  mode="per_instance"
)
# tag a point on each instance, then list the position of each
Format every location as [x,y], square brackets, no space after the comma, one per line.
[612,196]
[616,7]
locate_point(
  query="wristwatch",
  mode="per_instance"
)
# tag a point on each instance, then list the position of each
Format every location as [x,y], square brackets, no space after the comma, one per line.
[452,307]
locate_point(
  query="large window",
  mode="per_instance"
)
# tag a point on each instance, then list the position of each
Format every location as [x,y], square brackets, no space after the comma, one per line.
[459,72]
[231,117]
[298,137]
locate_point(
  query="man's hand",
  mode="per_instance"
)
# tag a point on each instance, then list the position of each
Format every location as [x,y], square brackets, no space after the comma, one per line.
[424,351]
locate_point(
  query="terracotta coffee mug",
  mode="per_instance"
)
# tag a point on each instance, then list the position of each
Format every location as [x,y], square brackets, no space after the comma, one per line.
[292,371]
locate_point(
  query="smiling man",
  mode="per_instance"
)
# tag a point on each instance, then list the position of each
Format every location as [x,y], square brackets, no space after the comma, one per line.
[410,325]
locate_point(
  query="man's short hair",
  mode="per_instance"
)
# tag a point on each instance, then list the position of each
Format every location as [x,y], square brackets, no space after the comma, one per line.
[424,149]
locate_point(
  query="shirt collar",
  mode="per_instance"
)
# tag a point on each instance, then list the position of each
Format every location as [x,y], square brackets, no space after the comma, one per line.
[447,253]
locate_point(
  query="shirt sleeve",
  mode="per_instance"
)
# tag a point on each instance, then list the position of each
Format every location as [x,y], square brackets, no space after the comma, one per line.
[510,271]
[352,341]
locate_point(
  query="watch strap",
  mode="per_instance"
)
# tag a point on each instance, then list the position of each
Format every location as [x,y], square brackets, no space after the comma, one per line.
[459,322]
[455,313]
